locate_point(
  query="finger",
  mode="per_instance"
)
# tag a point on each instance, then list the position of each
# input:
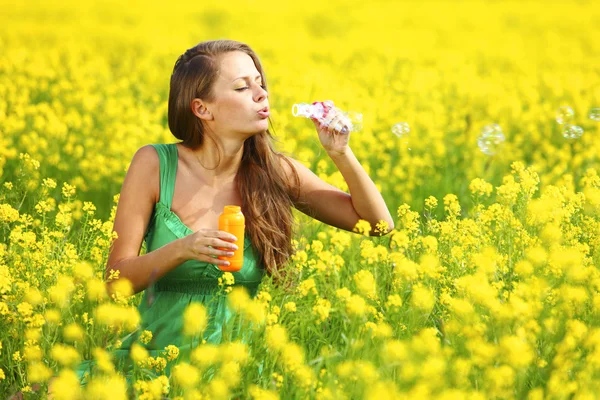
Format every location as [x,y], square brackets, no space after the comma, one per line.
[220,244]
[212,251]
[213,260]
[331,115]
[209,255]
[337,123]
[223,235]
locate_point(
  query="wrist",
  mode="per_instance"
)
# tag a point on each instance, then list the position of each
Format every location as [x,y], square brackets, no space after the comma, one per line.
[337,155]
[181,250]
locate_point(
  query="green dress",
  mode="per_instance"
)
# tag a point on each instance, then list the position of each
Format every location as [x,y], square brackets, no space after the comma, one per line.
[162,305]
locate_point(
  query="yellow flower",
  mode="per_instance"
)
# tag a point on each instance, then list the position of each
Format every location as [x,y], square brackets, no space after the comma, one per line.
[343,293]
[226,279]
[218,389]
[65,355]
[431,202]
[365,283]
[8,214]
[38,372]
[276,337]
[68,190]
[429,266]
[25,309]
[422,298]
[66,386]
[406,270]
[89,208]
[451,205]
[234,352]
[171,352]
[394,300]
[34,296]
[292,356]
[362,227]
[321,309]
[60,293]
[112,387]
[205,355]
[138,354]
[238,299]
[258,393]
[103,360]
[120,290]
[186,375]
[49,183]
[356,306]
[96,290]
[230,373]
[516,351]
[195,319]
[82,271]
[113,315]
[307,286]
[382,227]
[73,332]
[480,187]
[146,337]
[383,390]
[52,316]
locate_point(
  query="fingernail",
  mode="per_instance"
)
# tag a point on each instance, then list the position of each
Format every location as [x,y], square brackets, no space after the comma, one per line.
[235,247]
[230,254]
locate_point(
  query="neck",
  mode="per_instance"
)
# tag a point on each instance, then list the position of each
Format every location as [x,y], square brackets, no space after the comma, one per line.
[220,159]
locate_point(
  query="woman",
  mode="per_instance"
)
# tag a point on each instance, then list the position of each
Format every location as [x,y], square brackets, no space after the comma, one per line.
[173,194]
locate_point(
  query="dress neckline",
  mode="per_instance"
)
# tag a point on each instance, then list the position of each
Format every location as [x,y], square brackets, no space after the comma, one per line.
[176,217]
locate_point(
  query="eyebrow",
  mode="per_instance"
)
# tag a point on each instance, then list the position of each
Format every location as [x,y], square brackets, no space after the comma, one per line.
[245,77]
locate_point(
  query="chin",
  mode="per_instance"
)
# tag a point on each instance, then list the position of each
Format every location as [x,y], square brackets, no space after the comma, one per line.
[262,126]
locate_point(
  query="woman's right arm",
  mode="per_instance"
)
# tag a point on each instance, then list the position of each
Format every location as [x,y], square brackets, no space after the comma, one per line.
[139,194]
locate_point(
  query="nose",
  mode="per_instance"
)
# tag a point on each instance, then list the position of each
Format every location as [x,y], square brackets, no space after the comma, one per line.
[260,94]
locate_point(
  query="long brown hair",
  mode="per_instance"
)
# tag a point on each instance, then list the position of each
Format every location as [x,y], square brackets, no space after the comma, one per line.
[266,192]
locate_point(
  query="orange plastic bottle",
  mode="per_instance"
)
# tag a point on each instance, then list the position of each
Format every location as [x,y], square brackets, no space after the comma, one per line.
[232,221]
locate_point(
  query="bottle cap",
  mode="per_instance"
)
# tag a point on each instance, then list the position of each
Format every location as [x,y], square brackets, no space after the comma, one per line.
[232,209]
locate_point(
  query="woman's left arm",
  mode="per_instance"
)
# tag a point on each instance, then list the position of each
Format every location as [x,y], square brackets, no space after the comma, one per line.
[332,205]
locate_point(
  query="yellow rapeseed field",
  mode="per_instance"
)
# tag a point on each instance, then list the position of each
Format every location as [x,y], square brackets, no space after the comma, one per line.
[489,285]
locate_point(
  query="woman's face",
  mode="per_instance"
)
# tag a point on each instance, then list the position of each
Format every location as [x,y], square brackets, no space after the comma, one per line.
[240,104]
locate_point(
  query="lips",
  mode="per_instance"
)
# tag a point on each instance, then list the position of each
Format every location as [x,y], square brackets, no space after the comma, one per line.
[264,112]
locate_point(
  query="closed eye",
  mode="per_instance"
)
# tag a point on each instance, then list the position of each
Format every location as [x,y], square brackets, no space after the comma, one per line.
[246,87]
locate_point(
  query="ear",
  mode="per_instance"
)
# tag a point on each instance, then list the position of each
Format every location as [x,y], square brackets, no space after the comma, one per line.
[200,110]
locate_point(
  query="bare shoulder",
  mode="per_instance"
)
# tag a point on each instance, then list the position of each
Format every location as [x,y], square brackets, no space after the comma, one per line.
[139,193]
[143,173]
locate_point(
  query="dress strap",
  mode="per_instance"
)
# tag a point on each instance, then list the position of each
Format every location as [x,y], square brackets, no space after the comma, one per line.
[167,155]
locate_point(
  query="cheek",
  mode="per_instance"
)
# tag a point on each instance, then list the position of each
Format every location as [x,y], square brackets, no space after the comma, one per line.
[230,109]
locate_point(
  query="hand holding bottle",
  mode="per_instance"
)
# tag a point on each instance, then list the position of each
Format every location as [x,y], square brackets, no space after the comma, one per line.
[329,116]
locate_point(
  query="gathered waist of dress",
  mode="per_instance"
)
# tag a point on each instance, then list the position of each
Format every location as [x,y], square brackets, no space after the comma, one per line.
[202,287]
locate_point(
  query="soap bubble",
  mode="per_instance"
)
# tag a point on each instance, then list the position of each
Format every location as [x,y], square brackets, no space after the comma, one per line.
[401,129]
[491,139]
[564,115]
[572,131]
[594,114]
